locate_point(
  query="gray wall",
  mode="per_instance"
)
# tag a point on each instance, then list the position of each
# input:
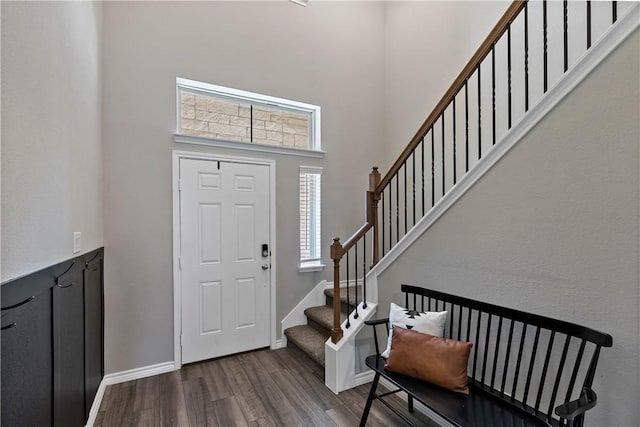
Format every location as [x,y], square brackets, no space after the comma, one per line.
[553,229]
[51,132]
[424,52]
[328,54]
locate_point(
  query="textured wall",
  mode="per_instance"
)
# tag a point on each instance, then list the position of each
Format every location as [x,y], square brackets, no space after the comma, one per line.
[51,132]
[424,52]
[553,229]
[421,61]
[327,54]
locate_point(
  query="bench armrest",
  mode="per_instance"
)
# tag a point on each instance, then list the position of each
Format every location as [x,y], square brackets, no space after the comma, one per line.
[571,410]
[373,323]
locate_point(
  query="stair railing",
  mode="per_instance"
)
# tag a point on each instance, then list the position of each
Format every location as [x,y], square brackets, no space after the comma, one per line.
[445,135]
[340,250]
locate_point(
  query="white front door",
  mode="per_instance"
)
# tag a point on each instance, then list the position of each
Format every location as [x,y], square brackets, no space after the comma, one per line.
[224,223]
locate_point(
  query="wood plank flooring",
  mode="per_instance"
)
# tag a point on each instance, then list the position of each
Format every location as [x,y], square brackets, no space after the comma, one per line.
[261,388]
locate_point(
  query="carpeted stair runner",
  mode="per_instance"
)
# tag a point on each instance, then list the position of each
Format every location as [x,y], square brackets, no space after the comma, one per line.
[310,338]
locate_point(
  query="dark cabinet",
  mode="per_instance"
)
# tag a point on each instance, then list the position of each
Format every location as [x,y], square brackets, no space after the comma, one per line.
[52,344]
[93,331]
[68,352]
[26,362]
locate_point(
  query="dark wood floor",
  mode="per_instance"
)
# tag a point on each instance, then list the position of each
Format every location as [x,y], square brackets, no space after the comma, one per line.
[260,388]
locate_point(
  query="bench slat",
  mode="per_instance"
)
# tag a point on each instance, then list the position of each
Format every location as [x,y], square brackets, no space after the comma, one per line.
[544,369]
[556,384]
[532,362]
[495,358]
[506,362]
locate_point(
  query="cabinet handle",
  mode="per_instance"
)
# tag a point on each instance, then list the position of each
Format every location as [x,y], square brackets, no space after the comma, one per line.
[8,326]
[31,298]
[86,263]
[65,286]
[57,279]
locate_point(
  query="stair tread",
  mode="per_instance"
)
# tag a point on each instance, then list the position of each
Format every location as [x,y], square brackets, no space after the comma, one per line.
[309,340]
[323,316]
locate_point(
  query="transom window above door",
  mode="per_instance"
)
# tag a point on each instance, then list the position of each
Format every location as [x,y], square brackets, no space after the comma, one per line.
[222,116]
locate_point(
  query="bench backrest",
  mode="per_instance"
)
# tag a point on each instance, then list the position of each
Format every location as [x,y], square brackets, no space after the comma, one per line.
[532,361]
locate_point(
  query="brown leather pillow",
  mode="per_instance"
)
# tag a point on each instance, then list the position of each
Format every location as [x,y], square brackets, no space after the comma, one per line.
[437,360]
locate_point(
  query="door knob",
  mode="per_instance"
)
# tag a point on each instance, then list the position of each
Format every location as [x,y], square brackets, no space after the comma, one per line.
[265,266]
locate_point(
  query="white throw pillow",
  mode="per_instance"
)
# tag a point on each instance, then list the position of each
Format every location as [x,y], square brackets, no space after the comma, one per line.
[427,322]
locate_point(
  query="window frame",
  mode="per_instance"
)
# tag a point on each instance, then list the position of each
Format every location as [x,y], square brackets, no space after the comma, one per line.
[311,265]
[314,111]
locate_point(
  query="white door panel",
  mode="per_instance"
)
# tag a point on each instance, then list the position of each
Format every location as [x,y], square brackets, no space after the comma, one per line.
[224,220]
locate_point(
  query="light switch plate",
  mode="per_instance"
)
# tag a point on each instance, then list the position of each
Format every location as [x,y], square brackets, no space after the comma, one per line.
[77,241]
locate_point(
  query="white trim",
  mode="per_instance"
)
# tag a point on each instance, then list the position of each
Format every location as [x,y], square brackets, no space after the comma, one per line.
[296,317]
[95,406]
[302,3]
[307,267]
[177,302]
[245,95]
[177,278]
[594,56]
[273,251]
[281,343]
[247,146]
[138,373]
[363,377]
[314,205]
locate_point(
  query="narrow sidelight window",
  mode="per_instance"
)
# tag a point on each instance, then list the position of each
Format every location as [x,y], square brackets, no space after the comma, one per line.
[310,219]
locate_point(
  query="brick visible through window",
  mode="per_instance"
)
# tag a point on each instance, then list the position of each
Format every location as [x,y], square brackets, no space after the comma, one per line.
[208,113]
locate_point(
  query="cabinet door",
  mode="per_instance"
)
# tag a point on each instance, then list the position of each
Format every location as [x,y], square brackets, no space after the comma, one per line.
[93,368]
[68,351]
[26,361]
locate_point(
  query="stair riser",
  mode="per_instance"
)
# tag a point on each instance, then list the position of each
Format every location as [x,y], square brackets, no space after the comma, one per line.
[291,344]
[318,327]
[346,309]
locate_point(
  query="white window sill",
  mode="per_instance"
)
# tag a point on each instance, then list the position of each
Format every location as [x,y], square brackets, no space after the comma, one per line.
[237,145]
[307,268]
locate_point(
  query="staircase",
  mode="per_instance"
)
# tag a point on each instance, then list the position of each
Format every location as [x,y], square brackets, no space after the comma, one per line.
[533,57]
[310,338]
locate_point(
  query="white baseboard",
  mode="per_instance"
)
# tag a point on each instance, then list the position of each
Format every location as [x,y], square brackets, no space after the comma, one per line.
[282,343]
[137,373]
[363,378]
[124,376]
[95,406]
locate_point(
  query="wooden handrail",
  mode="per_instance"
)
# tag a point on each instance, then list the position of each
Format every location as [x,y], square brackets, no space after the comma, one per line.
[348,244]
[511,13]
[371,220]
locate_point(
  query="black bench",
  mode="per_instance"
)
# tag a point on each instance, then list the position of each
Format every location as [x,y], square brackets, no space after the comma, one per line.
[524,369]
